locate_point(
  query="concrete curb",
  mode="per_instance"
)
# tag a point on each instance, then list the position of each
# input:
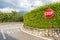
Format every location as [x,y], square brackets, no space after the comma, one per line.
[45,38]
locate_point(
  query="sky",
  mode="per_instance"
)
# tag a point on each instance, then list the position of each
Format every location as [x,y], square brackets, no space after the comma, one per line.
[22,5]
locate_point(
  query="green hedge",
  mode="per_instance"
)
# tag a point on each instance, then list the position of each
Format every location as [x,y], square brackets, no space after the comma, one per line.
[36,19]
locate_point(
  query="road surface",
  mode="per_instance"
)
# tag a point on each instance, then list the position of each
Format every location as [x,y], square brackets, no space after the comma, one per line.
[11,31]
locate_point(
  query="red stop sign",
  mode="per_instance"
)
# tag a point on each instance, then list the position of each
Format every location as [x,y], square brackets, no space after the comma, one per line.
[49,13]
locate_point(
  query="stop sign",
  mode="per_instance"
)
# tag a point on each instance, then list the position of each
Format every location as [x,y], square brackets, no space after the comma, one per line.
[49,13]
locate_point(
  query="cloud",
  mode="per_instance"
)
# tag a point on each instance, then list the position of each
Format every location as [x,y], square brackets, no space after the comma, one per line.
[25,5]
[13,2]
[51,1]
[30,4]
[55,0]
[7,9]
[38,3]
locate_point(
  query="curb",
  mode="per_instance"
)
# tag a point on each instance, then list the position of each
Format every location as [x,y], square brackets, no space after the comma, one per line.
[45,38]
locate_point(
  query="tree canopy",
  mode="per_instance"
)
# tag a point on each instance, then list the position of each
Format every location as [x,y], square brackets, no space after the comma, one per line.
[11,17]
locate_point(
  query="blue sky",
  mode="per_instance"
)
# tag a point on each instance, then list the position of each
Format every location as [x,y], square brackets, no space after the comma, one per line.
[22,5]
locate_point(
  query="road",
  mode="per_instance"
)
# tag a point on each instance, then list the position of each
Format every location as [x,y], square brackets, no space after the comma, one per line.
[11,31]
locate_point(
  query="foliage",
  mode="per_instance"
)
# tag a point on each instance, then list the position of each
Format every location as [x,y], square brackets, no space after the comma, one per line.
[11,17]
[36,19]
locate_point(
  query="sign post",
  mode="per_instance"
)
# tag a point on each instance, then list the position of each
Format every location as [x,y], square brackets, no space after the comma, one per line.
[49,13]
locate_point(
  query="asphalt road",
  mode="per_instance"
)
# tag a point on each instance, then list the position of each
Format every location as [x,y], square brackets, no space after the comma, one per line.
[12,32]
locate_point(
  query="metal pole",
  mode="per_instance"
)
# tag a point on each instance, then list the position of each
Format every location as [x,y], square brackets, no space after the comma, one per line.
[49,27]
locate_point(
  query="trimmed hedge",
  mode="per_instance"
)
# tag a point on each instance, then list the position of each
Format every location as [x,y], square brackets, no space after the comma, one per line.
[36,19]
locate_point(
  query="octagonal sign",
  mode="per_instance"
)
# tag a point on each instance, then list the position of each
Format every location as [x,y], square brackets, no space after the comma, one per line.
[49,13]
